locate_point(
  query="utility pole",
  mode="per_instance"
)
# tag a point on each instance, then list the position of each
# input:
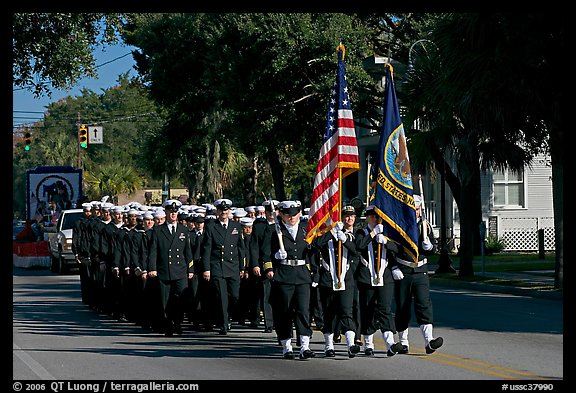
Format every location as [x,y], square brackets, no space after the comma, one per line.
[77,143]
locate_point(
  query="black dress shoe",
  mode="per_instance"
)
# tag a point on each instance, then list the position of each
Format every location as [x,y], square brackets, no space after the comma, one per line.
[288,355]
[169,333]
[330,353]
[369,352]
[354,349]
[394,349]
[268,330]
[307,354]
[403,350]
[178,329]
[358,342]
[254,325]
[223,331]
[434,345]
[337,339]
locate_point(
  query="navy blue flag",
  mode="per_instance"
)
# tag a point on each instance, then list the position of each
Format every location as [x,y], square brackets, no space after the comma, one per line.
[394,201]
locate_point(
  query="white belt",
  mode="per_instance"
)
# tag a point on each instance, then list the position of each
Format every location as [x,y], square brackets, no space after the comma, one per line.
[293,262]
[411,264]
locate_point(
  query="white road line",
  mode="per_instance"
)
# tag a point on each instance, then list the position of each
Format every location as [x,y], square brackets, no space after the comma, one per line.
[31,363]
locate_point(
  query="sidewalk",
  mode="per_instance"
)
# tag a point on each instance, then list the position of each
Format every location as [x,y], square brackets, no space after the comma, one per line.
[538,284]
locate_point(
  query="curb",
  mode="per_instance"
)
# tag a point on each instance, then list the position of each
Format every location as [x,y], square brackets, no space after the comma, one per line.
[552,294]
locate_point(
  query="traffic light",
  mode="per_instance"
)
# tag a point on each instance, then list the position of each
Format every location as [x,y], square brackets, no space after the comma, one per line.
[27,141]
[83,136]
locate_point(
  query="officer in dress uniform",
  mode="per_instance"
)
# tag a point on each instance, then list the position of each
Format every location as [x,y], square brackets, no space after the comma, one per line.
[412,282]
[206,306]
[111,281]
[99,258]
[81,249]
[262,230]
[291,266]
[249,299]
[170,259]
[376,285]
[122,265]
[336,282]
[223,259]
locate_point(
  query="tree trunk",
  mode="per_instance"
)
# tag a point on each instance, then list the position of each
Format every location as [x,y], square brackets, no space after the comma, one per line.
[469,209]
[277,174]
[557,159]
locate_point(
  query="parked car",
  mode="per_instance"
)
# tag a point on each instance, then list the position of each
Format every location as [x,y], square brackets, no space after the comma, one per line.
[60,239]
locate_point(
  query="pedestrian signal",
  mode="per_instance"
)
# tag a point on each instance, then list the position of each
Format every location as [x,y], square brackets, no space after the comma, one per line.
[83,136]
[27,141]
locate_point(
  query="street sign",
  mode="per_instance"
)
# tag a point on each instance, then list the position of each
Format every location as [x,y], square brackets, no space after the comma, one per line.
[95,134]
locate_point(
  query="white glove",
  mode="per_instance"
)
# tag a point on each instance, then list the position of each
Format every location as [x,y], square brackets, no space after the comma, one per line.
[314,284]
[427,245]
[281,254]
[381,239]
[397,274]
[378,229]
[341,236]
[339,226]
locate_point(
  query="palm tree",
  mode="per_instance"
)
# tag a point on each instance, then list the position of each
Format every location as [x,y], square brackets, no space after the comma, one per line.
[111,179]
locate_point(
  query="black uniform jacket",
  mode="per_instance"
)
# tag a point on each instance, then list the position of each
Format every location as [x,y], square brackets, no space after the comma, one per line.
[170,254]
[363,240]
[298,249]
[260,242]
[223,251]
[353,258]
[421,252]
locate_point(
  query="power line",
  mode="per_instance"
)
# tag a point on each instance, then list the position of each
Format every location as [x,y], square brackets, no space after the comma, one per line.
[97,66]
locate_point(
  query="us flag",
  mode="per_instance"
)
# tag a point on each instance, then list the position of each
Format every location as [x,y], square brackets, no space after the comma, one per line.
[338,157]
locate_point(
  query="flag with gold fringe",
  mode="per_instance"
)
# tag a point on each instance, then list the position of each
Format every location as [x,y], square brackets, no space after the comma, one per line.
[393,196]
[338,157]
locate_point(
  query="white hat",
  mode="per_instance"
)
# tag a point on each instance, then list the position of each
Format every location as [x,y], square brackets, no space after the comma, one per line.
[290,207]
[223,204]
[86,206]
[417,200]
[159,213]
[148,215]
[172,205]
[117,209]
[133,212]
[260,208]
[239,213]
[106,206]
[250,209]
[246,221]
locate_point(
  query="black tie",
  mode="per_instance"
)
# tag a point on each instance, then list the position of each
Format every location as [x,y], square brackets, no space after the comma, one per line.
[172,227]
[225,226]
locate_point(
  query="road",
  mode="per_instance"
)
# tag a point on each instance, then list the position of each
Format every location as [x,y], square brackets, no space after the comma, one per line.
[488,337]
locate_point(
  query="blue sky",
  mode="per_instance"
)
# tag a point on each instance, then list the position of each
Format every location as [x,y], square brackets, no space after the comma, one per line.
[110,61]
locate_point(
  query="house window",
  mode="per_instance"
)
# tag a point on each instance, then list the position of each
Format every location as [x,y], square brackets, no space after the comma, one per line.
[508,188]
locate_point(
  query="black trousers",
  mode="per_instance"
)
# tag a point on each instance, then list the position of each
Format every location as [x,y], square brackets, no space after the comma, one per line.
[337,309]
[414,286]
[264,288]
[227,295]
[291,304]
[172,301]
[376,306]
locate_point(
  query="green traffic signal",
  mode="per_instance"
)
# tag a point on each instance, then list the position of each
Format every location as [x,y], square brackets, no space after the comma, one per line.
[83,136]
[27,141]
